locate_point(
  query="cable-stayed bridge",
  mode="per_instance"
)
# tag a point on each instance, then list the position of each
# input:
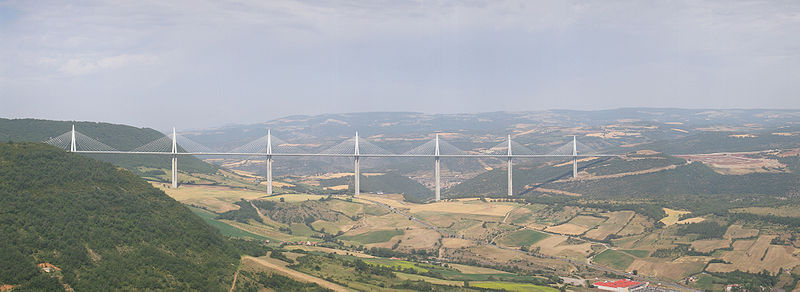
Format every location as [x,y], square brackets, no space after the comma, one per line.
[269,146]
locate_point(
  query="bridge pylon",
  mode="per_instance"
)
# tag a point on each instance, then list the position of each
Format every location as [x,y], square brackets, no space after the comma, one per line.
[356,170]
[436,173]
[269,162]
[574,157]
[174,159]
[509,169]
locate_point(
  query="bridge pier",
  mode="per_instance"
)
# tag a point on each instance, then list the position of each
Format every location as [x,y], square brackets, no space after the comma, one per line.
[574,157]
[436,174]
[72,146]
[269,175]
[356,171]
[269,162]
[174,159]
[510,170]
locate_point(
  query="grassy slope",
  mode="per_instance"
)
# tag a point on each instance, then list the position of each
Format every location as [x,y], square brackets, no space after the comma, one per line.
[374,236]
[522,238]
[104,227]
[614,259]
[695,178]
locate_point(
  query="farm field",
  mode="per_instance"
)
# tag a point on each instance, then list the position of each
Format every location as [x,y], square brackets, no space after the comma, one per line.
[359,222]
[615,222]
[559,245]
[614,259]
[509,286]
[738,231]
[224,228]
[757,255]
[672,216]
[577,225]
[524,237]
[373,236]
[637,225]
[216,198]
[710,245]
[673,270]
[783,211]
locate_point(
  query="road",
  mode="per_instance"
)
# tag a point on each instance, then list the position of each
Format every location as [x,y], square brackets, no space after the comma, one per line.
[587,264]
[295,274]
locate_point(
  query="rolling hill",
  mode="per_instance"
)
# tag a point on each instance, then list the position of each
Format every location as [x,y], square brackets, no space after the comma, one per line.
[101,226]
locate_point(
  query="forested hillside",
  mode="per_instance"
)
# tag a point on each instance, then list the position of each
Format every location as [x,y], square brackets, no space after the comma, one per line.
[103,227]
[120,137]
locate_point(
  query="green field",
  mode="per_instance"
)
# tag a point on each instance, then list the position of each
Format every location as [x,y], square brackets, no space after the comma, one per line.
[509,286]
[614,259]
[223,227]
[374,236]
[300,229]
[522,238]
[420,268]
[637,252]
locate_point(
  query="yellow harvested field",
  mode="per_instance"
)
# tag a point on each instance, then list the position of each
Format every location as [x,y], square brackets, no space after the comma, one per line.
[388,221]
[756,257]
[668,270]
[416,238]
[338,188]
[294,197]
[506,256]
[737,231]
[464,207]
[616,221]
[332,250]
[637,225]
[567,228]
[278,184]
[709,245]
[672,216]
[280,267]
[556,245]
[215,198]
[457,243]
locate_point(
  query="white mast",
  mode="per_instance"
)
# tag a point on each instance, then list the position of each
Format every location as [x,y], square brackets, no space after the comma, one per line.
[174,159]
[357,171]
[72,147]
[436,169]
[574,157]
[509,169]
[269,162]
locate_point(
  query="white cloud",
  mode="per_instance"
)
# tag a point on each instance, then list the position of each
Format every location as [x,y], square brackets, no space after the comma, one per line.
[81,66]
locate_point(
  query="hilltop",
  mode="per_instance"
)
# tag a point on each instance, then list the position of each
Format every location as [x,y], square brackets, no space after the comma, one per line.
[101,226]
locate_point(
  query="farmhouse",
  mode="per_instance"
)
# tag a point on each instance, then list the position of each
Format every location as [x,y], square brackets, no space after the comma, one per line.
[623,285]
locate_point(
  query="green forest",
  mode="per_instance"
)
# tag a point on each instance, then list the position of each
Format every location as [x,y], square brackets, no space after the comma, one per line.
[104,227]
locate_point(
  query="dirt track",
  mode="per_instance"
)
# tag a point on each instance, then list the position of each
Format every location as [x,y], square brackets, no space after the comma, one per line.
[295,274]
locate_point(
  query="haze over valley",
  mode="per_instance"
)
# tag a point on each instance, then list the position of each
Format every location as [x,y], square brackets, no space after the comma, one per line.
[303,145]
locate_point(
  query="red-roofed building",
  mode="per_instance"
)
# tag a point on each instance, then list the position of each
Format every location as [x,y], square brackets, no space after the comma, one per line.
[623,285]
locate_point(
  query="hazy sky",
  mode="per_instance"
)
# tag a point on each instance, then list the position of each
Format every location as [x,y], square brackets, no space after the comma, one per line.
[201,63]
